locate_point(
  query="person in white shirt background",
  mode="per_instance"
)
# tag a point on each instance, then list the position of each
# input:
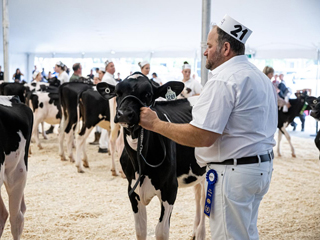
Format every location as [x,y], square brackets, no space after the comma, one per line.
[233,126]
[62,75]
[190,83]
[145,67]
[108,78]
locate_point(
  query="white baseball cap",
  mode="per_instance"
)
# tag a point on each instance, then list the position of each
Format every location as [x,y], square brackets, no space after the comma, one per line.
[234,29]
[143,63]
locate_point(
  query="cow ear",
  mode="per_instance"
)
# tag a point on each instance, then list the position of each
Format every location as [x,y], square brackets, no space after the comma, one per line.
[312,100]
[106,90]
[175,86]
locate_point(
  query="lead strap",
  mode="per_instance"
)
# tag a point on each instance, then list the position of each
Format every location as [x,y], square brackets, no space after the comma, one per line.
[211,178]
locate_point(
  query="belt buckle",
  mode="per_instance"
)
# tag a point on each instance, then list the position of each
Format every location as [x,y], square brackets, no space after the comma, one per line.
[235,162]
[259,159]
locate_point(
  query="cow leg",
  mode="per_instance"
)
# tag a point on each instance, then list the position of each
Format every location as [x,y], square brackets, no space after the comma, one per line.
[140,216]
[199,227]
[15,186]
[63,125]
[80,148]
[120,146]
[35,130]
[3,215]
[279,141]
[163,226]
[43,131]
[113,138]
[286,134]
[70,143]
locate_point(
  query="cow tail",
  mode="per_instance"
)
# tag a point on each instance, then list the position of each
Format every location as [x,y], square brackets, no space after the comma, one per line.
[78,113]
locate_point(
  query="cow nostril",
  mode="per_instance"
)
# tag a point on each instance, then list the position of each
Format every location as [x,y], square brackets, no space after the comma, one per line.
[119,113]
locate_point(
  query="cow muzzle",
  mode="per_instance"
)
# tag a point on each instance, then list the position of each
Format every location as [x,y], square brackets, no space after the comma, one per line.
[126,117]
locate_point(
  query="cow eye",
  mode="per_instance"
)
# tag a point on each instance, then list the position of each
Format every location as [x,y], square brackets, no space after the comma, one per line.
[148,95]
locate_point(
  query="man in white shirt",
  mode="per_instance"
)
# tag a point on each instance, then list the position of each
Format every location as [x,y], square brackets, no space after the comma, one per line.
[108,78]
[233,126]
[193,85]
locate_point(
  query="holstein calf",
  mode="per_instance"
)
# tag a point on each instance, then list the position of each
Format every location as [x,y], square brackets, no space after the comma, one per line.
[314,104]
[285,118]
[15,131]
[155,165]
[68,95]
[94,110]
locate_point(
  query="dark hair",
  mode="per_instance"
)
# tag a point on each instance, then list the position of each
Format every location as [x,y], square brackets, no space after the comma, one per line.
[155,74]
[185,62]
[97,69]
[76,66]
[237,47]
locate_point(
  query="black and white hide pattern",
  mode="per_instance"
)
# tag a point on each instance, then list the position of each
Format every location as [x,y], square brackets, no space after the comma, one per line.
[16,121]
[68,95]
[13,89]
[94,110]
[314,104]
[285,118]
[179,168]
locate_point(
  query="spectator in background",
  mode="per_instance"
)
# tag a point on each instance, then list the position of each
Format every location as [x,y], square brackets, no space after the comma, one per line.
[282,87]
[67,70]
[145,67]
[62,75]
[118,79]
[275,82]
[302,114]
[190,83]
[17,76]
[49,75]
[43,74]
[101,73]
[156,79]
[35,69]
[96,75]
[1,75]
[77,71]
[91,74]
[36,76]
[269,71]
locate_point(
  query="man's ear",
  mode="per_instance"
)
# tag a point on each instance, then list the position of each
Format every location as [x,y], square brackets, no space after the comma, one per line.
[106,90]
[175,86]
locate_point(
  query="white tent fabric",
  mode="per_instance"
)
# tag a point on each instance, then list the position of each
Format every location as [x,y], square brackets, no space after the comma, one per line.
[143,28]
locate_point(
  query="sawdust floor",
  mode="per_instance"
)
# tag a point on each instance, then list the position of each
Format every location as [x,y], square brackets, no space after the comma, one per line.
[63,204]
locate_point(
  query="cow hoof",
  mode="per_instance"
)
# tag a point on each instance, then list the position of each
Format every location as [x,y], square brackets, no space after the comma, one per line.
[293,155]
[114,173]
[80,170]
[40,147]
[279,155]
[45,137]
[85,164]
[63,158]
[72,160]
[123,175]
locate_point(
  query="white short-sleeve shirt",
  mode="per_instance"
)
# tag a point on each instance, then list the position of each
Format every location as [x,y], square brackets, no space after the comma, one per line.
[240,103]
[63,77]
[108,78]
[194,85]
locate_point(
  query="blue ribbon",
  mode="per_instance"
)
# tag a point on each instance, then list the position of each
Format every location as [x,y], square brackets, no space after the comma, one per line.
[211,178]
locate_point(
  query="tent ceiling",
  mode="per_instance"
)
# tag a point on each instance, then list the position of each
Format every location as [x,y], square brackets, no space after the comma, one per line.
[95,26]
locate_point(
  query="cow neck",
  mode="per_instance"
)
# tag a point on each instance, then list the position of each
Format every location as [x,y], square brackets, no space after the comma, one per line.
[141,151]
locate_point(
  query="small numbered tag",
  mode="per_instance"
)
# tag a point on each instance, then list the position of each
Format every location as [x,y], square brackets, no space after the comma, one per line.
[170,95]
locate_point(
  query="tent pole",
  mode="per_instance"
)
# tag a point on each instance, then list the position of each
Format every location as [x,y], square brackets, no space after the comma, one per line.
[317,79]
[206,10]
[5,27]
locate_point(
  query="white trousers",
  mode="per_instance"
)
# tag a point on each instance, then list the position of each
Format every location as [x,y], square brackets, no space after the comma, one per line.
[238,193]
[104,139]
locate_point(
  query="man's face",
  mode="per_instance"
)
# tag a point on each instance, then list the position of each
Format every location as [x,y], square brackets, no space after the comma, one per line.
[79,71]
[281,77]
[213,51]
[111,68]
[186,73]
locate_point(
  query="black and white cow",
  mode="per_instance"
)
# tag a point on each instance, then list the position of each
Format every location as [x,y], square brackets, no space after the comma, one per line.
[46,108]
[285,118]
[314,104]
[15,133]
[13,89]
[68,95]
[163,165]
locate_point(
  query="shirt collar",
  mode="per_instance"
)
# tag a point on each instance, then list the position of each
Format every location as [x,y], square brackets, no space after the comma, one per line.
[230,62]
[109,74]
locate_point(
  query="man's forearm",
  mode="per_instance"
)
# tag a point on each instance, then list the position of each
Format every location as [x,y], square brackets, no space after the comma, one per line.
[184,134]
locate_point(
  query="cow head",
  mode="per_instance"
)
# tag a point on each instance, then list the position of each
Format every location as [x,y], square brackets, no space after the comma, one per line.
[134,92]
[54,82]
[314,103]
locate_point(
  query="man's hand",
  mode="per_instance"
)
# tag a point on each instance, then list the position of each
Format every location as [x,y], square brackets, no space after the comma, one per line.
[148,118]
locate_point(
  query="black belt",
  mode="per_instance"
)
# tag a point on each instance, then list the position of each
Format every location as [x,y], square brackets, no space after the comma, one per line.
[247,160]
